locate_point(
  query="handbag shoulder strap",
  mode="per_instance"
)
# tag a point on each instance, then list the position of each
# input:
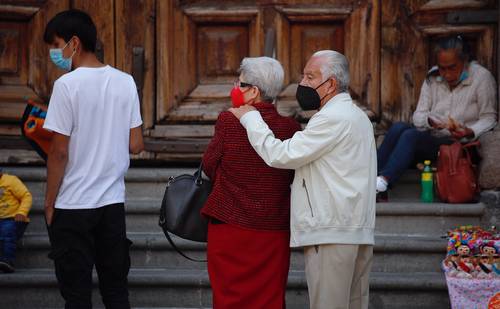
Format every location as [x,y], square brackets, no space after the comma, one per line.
[167,234]
[454,153]
[179,251]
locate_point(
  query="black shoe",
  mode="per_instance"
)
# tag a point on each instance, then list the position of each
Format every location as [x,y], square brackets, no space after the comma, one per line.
[6,267]
[382,197]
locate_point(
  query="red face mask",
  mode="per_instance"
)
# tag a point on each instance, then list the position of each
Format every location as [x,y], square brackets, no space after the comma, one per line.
[237,97]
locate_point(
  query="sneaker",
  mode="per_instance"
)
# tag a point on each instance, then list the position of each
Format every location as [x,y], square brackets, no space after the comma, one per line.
[6,267]
[382,184]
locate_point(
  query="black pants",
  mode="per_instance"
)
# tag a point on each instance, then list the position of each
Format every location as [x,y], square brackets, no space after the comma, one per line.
[82,238]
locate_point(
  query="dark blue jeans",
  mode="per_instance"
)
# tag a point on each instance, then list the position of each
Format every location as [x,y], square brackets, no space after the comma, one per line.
[8,239]
[403,145]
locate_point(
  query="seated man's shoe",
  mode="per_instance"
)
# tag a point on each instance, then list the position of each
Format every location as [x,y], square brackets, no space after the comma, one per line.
[6,267]
[382,197]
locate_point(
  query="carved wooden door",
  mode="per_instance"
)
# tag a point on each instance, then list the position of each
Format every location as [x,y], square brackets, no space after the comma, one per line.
[201,44]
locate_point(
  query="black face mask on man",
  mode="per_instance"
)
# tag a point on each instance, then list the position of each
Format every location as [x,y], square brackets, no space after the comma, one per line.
[308,97]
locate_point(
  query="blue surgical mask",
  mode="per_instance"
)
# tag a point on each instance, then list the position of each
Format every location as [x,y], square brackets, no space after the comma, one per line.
[56,55]
[463,76]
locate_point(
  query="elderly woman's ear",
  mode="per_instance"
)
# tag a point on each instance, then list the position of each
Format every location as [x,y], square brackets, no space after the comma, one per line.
[253,95]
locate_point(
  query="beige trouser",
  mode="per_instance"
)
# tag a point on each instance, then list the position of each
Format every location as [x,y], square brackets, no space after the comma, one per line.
[337,275]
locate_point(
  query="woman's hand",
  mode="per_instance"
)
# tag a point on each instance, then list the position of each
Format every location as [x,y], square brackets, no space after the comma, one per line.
[435,124]
[461,132]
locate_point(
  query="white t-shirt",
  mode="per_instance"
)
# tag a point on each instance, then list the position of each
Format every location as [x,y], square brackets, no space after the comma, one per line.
[96,108]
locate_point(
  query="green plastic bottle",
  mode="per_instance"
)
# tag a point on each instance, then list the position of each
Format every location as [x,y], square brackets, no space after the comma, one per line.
[427,195]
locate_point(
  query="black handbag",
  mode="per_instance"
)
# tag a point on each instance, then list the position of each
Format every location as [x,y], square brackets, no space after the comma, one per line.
[180,214]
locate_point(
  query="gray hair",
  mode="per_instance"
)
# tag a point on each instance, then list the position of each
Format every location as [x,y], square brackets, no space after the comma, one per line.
[335,66]
[454,42]
[266,74]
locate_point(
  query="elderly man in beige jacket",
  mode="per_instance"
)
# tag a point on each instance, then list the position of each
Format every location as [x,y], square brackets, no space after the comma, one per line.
[333,192]
[457,102]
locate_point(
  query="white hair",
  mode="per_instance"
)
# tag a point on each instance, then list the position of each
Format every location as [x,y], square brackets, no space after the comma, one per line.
[335,66]
[265,73]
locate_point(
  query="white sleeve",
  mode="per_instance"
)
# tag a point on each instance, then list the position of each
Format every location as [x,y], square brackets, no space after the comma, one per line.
[59,115]
[135,119]
[487,100]
[424,106]
[319,136]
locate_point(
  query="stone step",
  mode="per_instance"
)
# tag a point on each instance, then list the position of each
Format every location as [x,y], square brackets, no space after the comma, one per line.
[141,215]
[155,174]
[392,218]
[144,183]
[150,182]
[133,190]
[425,218]
[392,253]
[141,182]
[134,174]
[163,287]
[406,192]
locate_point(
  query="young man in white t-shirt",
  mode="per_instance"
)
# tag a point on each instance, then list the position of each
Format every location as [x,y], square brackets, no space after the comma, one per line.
[94,113]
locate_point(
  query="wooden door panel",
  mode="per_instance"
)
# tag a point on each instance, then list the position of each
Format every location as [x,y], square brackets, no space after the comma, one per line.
[349,27]
[13,53]
[15,65]
[9,47]
[220,51]
[201,47]
[102,13]
[307,38]
[135,30]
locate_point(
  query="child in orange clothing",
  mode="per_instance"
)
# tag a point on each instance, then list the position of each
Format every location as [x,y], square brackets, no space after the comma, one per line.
[15,203]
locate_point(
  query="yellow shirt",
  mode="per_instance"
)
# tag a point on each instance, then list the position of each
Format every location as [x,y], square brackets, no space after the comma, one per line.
[14,197]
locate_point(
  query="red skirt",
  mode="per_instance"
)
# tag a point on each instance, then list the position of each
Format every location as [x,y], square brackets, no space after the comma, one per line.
[247,268]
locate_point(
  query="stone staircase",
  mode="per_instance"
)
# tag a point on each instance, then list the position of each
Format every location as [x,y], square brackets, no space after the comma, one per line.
[406,271]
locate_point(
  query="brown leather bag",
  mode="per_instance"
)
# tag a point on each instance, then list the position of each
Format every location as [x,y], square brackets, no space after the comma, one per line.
[456,176]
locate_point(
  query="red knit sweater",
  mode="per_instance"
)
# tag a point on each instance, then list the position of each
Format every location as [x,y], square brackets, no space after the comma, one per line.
[246,191]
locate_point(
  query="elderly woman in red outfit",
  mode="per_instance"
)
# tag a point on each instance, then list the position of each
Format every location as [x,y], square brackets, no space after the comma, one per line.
[249,207]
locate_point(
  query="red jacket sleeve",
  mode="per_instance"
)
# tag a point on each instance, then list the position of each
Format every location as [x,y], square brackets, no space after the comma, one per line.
[213,153]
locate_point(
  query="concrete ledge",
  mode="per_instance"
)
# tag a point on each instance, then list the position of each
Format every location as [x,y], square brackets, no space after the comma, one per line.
[152,205]
[157,241]
[135,174]
[431,209]
[199,278]
[132,206]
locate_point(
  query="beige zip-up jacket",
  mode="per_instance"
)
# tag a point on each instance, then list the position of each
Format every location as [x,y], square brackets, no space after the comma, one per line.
[335,163]
[473,102]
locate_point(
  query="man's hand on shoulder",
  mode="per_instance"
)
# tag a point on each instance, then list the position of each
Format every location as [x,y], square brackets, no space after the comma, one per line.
[239,112]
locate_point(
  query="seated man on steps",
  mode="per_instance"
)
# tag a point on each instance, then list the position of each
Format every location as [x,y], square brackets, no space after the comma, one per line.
[457,102]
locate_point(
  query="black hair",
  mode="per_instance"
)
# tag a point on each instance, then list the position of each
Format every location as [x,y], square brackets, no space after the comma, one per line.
[454,42]
[71,23]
